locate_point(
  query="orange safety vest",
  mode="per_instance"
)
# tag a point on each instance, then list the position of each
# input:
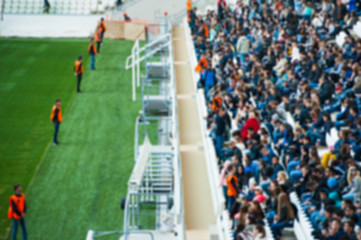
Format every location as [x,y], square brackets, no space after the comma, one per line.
[231,191]
[79,69]
[20,205]
[216,104]
[52,116]
[92,47]
[189,5]
[202,62]
[206,31]
[98,36]
[102,26]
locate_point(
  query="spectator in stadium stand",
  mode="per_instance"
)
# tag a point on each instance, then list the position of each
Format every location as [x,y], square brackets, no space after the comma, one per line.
[259,233]
[102,28]
[92,52]
[349,231]
[78,71]
[220,131]
[98,38]
[279,72]
[56,118]
[232,186]
[354,183]
[242,233]
[334,231]
[126,17]
[285,215]
[17,210]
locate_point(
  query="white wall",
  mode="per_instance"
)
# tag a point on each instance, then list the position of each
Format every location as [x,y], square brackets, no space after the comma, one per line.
[53,26]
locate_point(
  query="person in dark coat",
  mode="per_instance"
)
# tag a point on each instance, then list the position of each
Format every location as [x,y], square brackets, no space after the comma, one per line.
[326,89]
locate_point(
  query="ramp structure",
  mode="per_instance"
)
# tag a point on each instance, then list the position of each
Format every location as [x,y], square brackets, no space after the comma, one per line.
[153,207]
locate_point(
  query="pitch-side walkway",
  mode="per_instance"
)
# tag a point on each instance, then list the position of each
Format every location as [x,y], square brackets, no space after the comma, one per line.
[199,213]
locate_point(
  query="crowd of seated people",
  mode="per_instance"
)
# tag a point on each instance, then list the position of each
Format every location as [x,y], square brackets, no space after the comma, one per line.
[276,87]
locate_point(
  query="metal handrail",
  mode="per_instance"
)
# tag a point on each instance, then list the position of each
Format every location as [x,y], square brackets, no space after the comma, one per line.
[136,139]
[92,235]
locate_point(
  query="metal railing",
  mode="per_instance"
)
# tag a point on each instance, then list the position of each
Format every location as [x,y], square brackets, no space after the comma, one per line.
[140,54]
[91,235]
[168,138]
[303,227]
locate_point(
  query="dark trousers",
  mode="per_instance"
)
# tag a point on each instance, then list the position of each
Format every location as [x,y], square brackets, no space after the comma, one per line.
[16,223]
[56,130]
[98,47]
[78,76]
[102,36]
[46,6]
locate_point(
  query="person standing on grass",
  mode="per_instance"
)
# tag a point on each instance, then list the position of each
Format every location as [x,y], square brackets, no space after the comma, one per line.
[126,17]
[98,38]
[56,118]
[92,52]
[78,71]
[102,28]
[46,6]
[17,209]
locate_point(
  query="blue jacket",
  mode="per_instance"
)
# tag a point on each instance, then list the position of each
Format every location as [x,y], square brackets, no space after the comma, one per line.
[209,76]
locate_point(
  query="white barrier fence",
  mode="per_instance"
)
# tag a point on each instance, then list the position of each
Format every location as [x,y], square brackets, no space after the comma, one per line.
[224,224]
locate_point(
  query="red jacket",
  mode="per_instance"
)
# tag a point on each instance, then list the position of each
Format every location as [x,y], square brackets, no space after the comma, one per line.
[251,122]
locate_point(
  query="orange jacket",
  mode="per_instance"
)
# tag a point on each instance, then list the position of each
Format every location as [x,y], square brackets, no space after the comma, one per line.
[91,49]
[189,5]
[19,202]
[206,31]
[102,27]
[98,36]
[216,104]
[56,115]
[231,190]
[78,69]
[202,62]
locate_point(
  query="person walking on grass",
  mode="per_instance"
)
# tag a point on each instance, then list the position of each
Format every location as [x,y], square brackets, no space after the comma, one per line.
[98,38]
[92,52]
[102,28]
[56,118]
[17,210]
[78,71]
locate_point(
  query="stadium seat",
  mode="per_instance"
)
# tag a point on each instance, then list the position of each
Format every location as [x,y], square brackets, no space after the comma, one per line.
[340,39]
[357,29]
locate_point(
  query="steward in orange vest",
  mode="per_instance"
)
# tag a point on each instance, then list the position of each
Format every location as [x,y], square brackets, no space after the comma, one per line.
[102,28]
[98,38]
[56,118]
[126,17]
[17,209]
[78,71]
[232,186]
[92,52]
[189,5]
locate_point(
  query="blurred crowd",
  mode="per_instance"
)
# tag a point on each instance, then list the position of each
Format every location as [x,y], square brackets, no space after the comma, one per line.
[284,104]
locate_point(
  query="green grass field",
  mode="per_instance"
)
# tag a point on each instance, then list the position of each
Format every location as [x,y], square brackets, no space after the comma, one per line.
[78,185]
